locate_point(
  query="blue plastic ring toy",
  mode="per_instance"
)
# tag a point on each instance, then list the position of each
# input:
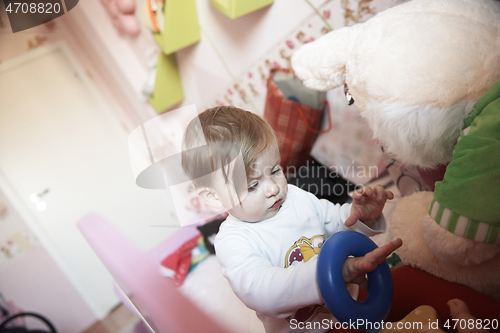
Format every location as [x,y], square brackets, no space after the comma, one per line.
[331,284]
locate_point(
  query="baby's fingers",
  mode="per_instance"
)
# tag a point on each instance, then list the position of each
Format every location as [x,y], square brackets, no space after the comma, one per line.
[378,256]
[387,249]
[353,218]
[357,195]
[365,191]
[382,195]
[368,191]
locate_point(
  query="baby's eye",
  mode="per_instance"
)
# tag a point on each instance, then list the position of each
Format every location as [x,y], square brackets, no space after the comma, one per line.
[253,186]
[276,170]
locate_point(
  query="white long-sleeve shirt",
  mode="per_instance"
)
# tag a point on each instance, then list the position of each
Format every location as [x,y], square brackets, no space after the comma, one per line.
[271,265]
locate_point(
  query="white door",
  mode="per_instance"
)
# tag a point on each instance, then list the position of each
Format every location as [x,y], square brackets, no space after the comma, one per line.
[56,135]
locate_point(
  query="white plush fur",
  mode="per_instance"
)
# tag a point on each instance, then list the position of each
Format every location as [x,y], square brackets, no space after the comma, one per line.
[321,67]
[422,135]
[406,223]
[418,64]
[415,72]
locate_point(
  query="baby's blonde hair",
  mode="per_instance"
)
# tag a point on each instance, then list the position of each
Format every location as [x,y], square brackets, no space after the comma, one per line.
[227,131]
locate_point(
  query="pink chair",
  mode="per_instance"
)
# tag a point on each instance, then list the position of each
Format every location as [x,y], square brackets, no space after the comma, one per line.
[156,298]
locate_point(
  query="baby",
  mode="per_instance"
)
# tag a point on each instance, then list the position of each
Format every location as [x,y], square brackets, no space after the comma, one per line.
[268,245]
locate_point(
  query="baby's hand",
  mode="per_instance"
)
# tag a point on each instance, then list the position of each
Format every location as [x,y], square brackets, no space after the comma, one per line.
[367,205]
[354,269]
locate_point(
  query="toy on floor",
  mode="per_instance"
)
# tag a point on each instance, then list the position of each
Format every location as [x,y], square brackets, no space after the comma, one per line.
[331,284]
[122,14]
[426,76]
[425,319]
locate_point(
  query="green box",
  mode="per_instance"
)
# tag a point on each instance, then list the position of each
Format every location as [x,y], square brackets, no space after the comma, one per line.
[181,27]
[236,8]
[168,86]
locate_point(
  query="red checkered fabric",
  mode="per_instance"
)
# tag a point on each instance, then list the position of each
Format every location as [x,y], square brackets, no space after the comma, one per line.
[294,138]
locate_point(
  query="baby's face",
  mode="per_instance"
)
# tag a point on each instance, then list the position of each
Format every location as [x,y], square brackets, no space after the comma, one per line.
[267,189]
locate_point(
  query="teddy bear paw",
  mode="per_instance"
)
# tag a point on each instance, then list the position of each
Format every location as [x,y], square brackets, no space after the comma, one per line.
[453,248]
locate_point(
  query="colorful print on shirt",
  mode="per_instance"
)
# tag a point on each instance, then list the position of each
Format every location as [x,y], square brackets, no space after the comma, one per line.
[303,250]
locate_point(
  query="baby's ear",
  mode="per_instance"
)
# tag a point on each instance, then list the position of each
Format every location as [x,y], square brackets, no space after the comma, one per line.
[209,197]
[321,65]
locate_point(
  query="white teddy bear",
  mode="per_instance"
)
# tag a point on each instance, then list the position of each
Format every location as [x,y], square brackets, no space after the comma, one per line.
[426,76]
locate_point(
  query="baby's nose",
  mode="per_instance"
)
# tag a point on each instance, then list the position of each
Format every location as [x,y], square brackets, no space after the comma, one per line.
[273,190]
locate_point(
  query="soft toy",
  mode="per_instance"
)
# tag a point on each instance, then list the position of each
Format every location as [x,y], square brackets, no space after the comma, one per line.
[122,14]
[426,76]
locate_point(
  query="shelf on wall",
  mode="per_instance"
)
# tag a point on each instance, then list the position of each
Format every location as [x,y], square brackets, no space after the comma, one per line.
[168,88]
[236,8]
[180,28]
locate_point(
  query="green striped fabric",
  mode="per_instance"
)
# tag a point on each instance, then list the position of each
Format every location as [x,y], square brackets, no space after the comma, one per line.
[463,226]
[466,201]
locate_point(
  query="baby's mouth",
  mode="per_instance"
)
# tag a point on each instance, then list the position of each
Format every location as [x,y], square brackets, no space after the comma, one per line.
[277,204]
